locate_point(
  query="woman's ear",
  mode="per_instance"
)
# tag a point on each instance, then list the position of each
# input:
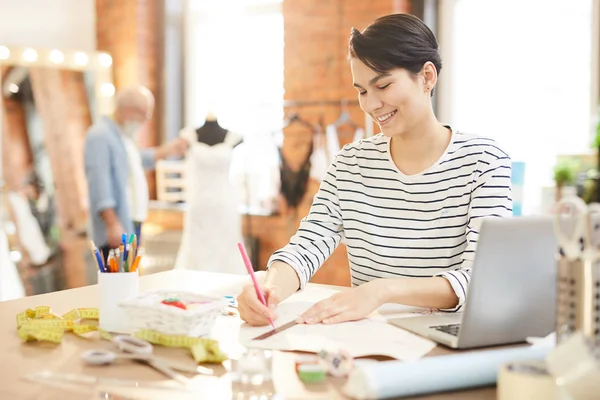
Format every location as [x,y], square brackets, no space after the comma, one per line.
[429,74]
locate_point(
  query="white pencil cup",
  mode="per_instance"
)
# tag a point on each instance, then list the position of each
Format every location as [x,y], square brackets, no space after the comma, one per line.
[115,287]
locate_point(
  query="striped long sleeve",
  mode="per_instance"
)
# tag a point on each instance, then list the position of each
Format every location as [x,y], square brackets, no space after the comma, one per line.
[491,197]
[319,234]
[399,225]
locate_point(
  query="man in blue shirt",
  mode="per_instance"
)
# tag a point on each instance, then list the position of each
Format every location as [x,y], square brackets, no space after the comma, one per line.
[114,167]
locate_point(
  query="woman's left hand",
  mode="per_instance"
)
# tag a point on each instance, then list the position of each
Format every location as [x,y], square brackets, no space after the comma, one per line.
[349,305]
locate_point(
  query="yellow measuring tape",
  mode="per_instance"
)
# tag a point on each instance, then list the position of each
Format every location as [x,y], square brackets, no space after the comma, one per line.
[42,325]
[203,350]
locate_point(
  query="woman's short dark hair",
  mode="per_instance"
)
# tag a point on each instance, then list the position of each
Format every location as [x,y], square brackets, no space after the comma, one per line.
[395,41]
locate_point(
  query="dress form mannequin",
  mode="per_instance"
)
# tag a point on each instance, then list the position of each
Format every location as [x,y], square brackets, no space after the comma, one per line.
[211,132]
[212,223]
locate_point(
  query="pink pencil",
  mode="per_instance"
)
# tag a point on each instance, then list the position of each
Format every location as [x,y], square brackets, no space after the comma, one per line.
[259,293]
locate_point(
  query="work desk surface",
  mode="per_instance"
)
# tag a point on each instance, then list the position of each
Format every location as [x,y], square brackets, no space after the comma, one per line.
[19,359]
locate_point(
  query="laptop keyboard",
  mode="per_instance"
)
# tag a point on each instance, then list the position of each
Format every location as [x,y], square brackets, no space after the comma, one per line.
[451,329]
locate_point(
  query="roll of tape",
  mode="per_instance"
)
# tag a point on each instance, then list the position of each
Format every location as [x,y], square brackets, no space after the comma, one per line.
[576,368]
[525,380]
[339,362]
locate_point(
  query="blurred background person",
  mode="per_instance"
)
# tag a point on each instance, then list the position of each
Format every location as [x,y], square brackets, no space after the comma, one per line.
[114,167]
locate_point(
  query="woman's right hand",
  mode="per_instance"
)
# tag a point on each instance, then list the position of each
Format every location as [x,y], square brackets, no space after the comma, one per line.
[252,310]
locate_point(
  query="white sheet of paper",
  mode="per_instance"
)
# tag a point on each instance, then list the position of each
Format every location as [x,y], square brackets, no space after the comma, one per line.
[367,337]
[356,337]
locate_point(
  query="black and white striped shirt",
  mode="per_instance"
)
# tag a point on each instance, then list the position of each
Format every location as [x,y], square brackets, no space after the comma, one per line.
[397,225]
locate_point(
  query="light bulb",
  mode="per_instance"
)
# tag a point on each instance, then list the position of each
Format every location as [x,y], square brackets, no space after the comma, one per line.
[107,89]
[16,256]
[56,56]
[105,60]
[4,52]
[80,59]
[30,55]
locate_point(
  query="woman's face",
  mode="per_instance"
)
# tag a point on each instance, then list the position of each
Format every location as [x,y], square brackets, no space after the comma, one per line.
[396,100]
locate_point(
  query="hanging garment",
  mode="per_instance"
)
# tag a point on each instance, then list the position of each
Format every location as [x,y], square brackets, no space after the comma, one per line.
[319,162]
[294,183]
[333,142]
[212,224]
[11,285]
[30,233]
[255,172]
[359,134]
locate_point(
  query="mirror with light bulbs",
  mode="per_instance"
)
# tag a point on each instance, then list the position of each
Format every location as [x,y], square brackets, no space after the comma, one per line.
[48,99]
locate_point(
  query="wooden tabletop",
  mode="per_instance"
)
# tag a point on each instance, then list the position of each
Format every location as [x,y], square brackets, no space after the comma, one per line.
[20,358]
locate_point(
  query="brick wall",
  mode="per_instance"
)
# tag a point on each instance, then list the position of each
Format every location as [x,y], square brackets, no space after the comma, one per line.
[17,159]
[61,102]
[130,30]
[316,43]
[316,37]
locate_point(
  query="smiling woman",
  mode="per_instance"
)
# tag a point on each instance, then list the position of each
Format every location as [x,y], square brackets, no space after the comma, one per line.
[407,202]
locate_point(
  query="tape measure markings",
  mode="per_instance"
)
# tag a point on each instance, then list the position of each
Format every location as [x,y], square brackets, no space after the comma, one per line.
[42,325]
[203,350]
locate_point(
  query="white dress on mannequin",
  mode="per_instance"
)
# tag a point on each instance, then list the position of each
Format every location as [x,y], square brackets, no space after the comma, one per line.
[212,224]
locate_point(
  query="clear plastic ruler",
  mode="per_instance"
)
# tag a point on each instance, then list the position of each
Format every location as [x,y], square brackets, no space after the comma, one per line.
[56,378]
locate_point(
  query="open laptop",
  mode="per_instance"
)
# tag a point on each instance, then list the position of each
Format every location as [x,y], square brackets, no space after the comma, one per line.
[512,291]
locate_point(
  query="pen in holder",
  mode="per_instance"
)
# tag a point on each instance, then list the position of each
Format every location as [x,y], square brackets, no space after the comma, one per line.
[577,227]
[114,288]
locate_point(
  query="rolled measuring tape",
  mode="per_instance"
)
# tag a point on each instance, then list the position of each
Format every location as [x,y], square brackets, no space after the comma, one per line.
[339,363]
[525,380]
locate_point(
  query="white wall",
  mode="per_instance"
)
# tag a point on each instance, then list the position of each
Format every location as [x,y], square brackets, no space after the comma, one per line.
[489,87]
[61,24]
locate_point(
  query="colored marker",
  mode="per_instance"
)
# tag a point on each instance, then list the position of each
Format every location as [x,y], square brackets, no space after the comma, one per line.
[248,264]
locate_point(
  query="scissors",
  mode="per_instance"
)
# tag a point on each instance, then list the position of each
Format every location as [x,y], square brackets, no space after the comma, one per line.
[139,350]
[577,227]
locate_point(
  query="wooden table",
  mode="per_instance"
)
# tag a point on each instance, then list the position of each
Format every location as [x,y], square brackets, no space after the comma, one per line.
[19,359]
